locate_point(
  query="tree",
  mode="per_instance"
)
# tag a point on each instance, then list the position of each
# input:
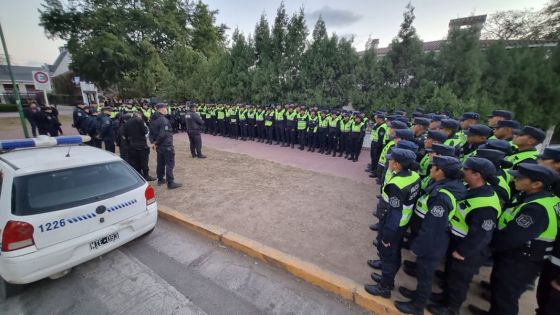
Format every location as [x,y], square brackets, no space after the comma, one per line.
[506,25]
[207,38]
[368,79]
[295,47]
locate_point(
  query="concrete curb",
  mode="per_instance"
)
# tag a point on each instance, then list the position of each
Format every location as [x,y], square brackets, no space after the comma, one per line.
[311,273]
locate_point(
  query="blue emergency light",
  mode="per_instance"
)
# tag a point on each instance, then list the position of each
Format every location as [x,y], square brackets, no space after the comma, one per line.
[42,141]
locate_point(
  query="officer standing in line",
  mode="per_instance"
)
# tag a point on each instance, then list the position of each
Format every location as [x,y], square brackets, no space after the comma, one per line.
[323,131]
[301,120]
[105,132]
[432,137]
[451,126]
[501,187]
[498,115]
[344,139]
[357,132]
[472,226]
[279,124]
[551,158]
[431,241]
[91,126]
[195,124]
[377,137]
[290,127]
[467,120]
[233,129]
[259,119]
[525,237]
[79,116]
[269,117]
[333,133]
[220,119]
[243,127]
[420,129]
[526,144]
[312,127]
[161,137]
[395,125]
[134,135]
[399,194]
[251,122]
[476,135]
[505,130]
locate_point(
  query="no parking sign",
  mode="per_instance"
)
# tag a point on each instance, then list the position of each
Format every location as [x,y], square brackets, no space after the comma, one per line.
[42,80]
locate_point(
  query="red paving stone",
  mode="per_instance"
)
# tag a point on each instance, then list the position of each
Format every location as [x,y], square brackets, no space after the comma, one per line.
[316,162]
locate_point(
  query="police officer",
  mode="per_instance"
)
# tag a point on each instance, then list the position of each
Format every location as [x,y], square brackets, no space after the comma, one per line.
[312,127]
[259,119]
[498,115]
[301,123]
[134,137]
[357,132]
[467,120]
[52,122]
[380,169]
[161,137]
[399,194]
[105,132]
[525,237]
[344,138]
[269,122]
[195,125]
[420,129]
[290,126]
[279,124]
[430,242]
[333,132]
[377,138]
[476,135]
[472,226]
[432,137]
[551,158]
[505,129]
[450,127]
[526,144]
[79,116]
[503,178]
[323,130]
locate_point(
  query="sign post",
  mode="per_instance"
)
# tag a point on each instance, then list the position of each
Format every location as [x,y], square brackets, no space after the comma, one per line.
[42,82]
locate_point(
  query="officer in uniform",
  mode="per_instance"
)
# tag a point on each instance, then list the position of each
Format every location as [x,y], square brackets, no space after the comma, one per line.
[333,134]
[243,126]
[395,125]
[526,235]
[420,129]
[450,127]
[503,178]
[377,138]
[505,129]
[432,137]
[498,115]
[251,122]
[233,129]
[399,195]
[312,129]
[259,119]
[194,125]
[323,131]
[472,226]
[269,117]
[105,132]
[357,132]
[467,120]
[551,158]
[290,128]
[134,136]
[526,144]
[79,116]
[220,119]
[161,137]
[344,139]
[301,120]
[430,242]
[476,135]
[279,124]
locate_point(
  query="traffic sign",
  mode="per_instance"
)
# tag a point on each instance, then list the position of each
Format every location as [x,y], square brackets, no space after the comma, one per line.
[42,80]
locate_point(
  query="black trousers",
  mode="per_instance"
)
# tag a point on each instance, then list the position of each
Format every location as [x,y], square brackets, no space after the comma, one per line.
[243,128]
[548,298]
[279,132]
[290,135]
[138,159]
[459,274]
[322,138]
[373,155]
[251,130]
[312,140]
[509,279]
[301,138]
[343,143]
[195,143]
[269,131]
[355,146]
[109,145]
[221,127]
[390,256]
[358,151]
[425,269]
[333,142]
[260,130]
[34,128]
[233,130]
[165,164]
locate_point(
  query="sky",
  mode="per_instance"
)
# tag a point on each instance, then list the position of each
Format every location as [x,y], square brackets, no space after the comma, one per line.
[362,19]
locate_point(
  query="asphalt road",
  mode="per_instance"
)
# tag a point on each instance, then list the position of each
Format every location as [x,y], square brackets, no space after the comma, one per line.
[175,271]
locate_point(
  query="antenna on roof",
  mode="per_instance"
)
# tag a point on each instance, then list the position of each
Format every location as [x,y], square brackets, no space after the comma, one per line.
[68,153]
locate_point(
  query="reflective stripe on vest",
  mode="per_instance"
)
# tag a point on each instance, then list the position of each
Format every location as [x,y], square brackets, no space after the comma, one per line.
[346,126]
[422,204]
[291,116]
[279,115]
[459,226]
[302,122]
[260,116]
[403,182]
[518,157]
[242,114]
[313,124]
[550,204]
[424,164]
[323,122]
[357,127]
[385,151]
[503,182]
[221,114]
[333,121]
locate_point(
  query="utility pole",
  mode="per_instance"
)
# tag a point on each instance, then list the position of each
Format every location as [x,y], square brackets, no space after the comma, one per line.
[16,89]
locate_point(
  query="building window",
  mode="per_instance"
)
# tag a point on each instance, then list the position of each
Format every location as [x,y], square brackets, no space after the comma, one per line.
[8,87]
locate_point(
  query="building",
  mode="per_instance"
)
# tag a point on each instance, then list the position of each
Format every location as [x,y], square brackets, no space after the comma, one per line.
[26,86]
[475,22]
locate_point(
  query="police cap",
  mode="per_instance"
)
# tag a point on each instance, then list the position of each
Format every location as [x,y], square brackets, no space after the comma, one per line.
[400,112]
[380,115]
[497,144]
[534,133]
[536,173]
[442,149]
[480,165]
[449,164]
[438,117]
[403,156]
[402,118]
[408,145]
[398,125]
[514,124]
[161,105]
[421,121]
[405,134]
[436,135]
[502,113]
[449,124]
[550,154]
[470,115]
[479,130]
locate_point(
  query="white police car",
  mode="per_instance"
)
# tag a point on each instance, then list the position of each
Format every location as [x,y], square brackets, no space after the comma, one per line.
[62,204]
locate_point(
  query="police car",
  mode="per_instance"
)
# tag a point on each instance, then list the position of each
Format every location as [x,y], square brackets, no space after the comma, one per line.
[62,204]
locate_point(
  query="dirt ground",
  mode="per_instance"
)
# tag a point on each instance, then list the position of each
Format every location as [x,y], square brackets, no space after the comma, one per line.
[313,215]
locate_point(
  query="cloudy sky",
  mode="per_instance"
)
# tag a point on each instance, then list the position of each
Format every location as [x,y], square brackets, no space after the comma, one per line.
[361,19]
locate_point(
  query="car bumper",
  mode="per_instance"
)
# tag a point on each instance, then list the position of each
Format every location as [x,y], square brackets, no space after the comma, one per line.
[57,258]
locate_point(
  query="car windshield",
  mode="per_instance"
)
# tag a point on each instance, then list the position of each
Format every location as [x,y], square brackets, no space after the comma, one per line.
[63,189]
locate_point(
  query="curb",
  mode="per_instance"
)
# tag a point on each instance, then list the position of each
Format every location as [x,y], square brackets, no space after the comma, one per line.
[311,273]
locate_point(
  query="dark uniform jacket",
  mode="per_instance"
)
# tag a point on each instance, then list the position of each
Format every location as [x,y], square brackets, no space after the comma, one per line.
[135,132]
[79,116]
[194,122]
[161,132]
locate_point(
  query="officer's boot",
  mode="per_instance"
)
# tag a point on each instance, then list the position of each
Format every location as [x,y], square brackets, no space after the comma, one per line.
[301,147]
[340,154]
[410,307]
[378,290]
[441,310]
[334,153]
[312,150]
[292,145]
[321,151]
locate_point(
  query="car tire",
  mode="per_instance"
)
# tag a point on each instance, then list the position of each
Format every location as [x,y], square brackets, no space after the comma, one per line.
[8,289]
[149,232]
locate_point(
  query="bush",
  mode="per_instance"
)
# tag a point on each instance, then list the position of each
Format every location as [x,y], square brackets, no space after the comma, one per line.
[6,108]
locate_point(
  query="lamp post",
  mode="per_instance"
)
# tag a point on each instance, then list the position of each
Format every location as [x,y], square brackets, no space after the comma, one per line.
[16,89]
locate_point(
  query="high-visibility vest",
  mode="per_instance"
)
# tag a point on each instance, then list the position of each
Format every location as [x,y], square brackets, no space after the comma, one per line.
[312,124]
[408,184]
[385,151]
[519,157]
[424,164]
[269,116]
[232,115]
[459,226]
[333,121]
[549,203]
[251,114]
[357,127]
[301,121]
[259,116]
[221,113]
[279,114]
[422,204]
[291,116]
[242,113]
[323,122]
[346,126]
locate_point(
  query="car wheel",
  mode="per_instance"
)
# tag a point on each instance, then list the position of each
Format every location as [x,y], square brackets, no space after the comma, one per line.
[149,232]
[8,289]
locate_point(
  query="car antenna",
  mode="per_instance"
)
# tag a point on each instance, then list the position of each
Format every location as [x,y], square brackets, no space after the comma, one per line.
[68,153]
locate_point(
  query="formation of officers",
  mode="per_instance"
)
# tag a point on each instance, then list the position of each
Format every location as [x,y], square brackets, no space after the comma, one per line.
[463,194]
[131,125]
[329,132]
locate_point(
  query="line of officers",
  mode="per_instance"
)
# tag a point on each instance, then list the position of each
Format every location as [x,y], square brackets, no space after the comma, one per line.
[461,192]
[329,132]
[130,127]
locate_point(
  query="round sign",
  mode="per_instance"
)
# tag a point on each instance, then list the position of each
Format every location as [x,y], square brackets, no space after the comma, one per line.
[41,77]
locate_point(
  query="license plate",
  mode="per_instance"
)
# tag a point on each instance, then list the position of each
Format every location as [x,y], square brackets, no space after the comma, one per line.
[103,241]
